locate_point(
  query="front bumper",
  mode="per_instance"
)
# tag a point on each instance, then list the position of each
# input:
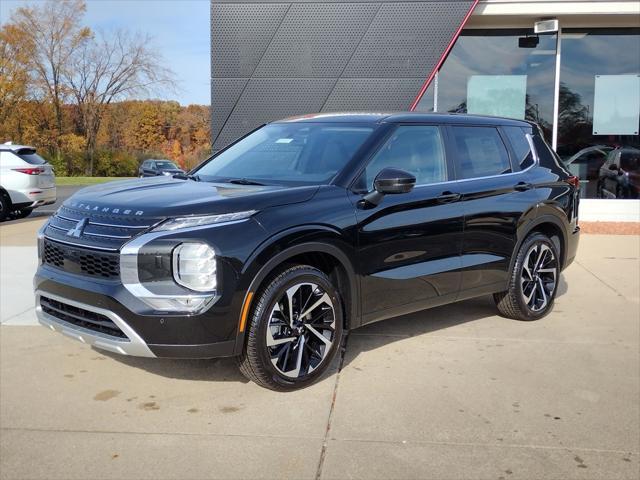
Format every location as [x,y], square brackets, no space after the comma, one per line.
[207,335]
[134,345]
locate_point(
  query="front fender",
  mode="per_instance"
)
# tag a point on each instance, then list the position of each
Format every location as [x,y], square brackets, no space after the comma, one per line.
[293,242]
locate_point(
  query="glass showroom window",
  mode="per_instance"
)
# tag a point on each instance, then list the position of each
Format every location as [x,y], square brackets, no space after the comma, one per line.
[599,116]
[507,73]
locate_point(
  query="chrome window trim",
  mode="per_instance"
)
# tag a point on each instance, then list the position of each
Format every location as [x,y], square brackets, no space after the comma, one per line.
[134,345]
[536,162]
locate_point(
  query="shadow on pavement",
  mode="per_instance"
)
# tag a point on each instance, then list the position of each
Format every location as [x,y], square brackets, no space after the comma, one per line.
[387,331]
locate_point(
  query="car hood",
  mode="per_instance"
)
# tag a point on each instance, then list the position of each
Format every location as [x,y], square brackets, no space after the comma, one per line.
[169,197]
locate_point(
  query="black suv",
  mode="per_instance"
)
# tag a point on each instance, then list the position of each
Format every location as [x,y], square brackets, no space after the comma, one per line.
[307,227]
[153,168]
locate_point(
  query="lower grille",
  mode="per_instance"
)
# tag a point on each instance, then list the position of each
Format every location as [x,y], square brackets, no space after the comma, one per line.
[81,261]
[80,317]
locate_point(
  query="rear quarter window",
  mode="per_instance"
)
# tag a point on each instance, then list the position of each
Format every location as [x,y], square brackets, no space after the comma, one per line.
[520,146]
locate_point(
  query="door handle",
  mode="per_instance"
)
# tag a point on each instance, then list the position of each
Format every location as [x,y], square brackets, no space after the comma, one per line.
[448,197]
[523,186]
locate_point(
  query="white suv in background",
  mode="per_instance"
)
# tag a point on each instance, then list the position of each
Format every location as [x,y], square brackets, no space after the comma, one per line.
[27,181]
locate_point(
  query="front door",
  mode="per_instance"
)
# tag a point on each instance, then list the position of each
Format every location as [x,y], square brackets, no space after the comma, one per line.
[409,245]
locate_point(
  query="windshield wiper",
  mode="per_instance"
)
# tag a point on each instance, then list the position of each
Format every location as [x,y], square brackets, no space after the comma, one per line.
[243,181]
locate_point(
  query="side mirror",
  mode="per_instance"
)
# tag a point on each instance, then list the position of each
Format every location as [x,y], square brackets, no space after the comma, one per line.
[390,181]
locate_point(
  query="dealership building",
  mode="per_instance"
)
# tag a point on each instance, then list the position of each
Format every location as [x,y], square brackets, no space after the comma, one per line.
[571,66]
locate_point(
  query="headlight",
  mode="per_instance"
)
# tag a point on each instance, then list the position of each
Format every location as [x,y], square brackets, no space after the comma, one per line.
[194,266]
[190,222]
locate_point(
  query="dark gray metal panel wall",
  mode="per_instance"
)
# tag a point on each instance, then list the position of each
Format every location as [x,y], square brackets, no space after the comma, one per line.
[272,59]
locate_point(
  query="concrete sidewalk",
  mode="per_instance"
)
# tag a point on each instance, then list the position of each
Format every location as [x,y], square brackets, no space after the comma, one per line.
[453,392]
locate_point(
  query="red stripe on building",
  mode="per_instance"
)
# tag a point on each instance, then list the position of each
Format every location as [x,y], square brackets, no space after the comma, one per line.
[444,56]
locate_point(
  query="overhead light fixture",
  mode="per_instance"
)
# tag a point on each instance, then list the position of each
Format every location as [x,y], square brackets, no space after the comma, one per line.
[546,26]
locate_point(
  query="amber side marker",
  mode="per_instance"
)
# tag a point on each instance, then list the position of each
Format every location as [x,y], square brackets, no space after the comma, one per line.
[245,311]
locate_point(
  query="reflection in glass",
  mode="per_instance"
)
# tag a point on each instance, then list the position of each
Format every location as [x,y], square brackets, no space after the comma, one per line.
[588,133]
[497,53]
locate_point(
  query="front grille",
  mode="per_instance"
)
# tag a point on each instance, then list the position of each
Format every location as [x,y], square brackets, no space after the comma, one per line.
[101,231]
[81,261]
[80,317]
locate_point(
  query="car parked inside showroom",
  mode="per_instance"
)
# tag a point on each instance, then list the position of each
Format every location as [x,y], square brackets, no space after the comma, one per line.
[27,181]
[153,168]
[306,228]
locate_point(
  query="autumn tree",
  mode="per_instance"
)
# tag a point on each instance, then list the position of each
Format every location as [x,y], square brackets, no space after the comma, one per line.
[52,33]
[108,68]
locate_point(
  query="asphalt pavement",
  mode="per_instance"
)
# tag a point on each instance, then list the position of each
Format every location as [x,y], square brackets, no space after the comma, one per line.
[453,392]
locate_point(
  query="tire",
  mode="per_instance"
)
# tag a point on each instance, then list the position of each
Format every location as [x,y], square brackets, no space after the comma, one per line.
[532,289]
[620,192]
[297,356]
[5,205]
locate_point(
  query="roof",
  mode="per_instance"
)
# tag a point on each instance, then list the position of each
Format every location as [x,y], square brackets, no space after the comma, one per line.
[14,148]
[404,117]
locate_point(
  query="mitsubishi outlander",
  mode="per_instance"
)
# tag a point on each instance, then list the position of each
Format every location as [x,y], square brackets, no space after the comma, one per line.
[305,228]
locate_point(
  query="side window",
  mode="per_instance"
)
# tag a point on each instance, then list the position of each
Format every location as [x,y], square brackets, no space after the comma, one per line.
[520,145]
[480,152]
[417,149]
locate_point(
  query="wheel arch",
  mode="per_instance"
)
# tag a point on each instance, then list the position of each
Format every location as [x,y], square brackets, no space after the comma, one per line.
[551,226]
[322,248]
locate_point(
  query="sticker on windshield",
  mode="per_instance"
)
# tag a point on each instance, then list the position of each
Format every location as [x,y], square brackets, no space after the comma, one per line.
[284,140]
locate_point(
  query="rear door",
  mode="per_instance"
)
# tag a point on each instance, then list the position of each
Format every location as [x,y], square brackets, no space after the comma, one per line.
[492,166]
[409,245]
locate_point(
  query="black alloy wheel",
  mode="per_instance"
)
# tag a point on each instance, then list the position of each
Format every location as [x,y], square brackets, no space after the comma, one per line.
[295,330]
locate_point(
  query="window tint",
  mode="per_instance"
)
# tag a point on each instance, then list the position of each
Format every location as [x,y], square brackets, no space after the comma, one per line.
[520,145]
[417,149]
[30,156]
[480,152]
[165,165]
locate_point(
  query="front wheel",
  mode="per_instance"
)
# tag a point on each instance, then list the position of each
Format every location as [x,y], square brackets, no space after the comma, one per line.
[534,280]
[294,330]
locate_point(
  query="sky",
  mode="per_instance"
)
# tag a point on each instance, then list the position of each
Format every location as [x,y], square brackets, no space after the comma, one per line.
[180,31]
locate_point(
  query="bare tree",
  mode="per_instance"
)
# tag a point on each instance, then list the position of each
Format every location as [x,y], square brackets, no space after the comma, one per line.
[112,68]
[53,32]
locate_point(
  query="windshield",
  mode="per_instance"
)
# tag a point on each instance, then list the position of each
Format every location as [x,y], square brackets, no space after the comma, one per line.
[165,165]
[287,153]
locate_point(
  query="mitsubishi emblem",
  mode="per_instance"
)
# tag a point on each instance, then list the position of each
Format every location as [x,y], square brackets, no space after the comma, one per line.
[78,229]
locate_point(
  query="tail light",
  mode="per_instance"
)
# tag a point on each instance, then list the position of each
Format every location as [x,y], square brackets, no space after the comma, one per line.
[29,171]
[573,181]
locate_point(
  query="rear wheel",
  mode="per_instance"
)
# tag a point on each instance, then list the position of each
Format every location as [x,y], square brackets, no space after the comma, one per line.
[5,205]
[534,280]
[294,330]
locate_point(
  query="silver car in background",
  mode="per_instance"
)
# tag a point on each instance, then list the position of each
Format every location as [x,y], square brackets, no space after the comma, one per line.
[27,181]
